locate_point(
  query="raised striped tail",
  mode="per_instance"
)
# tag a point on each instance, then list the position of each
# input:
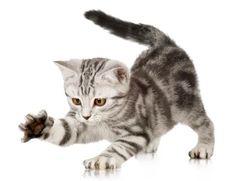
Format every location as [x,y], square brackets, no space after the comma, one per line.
[141,33]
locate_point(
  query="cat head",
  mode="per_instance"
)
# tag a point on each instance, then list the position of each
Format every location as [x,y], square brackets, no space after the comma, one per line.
[95,88]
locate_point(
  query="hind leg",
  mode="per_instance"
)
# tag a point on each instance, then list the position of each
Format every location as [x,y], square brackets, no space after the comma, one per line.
[203,126]
[148,153]
[152,146]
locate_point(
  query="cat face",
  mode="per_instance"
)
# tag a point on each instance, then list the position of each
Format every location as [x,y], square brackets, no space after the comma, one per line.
[94,87]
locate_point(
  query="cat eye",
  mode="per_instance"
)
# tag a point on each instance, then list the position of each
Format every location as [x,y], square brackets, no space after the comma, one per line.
[76,101]
[99,101]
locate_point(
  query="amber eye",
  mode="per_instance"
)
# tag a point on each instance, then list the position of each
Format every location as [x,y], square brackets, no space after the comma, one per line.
[76,101]
[99,101]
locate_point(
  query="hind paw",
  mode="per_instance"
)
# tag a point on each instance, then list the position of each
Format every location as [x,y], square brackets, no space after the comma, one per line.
[201,152]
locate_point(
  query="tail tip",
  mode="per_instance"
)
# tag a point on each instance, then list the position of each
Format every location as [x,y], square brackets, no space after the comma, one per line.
[93,15]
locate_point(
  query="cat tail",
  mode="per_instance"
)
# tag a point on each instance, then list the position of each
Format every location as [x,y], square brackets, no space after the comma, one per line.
[141,33]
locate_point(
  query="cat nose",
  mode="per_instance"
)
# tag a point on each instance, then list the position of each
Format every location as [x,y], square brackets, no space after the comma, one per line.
[86,117]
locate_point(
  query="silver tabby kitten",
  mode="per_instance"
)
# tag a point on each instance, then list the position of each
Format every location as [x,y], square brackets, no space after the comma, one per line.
[130,109]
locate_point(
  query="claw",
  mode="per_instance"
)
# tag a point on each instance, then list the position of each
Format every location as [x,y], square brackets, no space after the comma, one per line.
[25,139]
[22,140]
[89,165]
[96,165]
[42,115]
[29,118]
[189,154]
[22,127]
[198,155]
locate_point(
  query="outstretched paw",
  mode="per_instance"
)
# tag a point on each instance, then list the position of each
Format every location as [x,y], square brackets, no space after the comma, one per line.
[201,152]
[101,163]
[34,125]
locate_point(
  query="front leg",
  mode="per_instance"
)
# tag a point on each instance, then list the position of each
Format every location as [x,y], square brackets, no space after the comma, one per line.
[63,132]
[117,153]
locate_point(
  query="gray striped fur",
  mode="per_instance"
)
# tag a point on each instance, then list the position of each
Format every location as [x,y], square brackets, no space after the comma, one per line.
[67,134]
[143,104]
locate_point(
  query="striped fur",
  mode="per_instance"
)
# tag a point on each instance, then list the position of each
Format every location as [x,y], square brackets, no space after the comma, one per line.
[160,91]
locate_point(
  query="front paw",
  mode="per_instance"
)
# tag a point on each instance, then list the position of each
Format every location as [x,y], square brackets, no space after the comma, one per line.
[101,163]
[34,125]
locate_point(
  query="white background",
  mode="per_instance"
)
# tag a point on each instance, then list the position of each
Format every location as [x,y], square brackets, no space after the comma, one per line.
[34,33]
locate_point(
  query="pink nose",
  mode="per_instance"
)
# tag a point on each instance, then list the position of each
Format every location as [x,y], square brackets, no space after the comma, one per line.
[86,117]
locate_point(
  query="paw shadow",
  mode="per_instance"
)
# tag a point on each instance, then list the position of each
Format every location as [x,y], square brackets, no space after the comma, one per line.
[101,173]
[200,162]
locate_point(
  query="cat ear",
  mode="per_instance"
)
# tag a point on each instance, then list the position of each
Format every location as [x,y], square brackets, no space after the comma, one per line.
[66,69]
[117,78]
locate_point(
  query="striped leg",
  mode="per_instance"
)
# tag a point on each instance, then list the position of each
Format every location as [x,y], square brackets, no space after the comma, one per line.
[205,130]
[117,153]
[63,132]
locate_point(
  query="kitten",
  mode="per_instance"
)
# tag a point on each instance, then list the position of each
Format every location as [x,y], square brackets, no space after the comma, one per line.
[130,109]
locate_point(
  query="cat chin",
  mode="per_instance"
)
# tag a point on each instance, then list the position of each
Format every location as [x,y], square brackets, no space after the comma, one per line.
[90,123]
